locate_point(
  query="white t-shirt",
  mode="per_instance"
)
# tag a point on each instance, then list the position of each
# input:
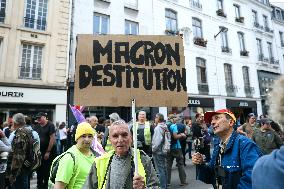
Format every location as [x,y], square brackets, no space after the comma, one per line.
[62,133]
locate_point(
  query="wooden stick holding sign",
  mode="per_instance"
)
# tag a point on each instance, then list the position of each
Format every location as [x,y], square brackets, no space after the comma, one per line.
[134,130]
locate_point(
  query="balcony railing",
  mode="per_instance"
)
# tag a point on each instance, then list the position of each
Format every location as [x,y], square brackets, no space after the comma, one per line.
[240,19]
[226,49]
[203,88]
[220,12]
[195,4]
[29,73]
[249,91]
[200,41]
[231,90]
[265,2]
[171,32]
[39,24]
[244,53]
[257,25]
[267,29]
[2,16]
[273,61]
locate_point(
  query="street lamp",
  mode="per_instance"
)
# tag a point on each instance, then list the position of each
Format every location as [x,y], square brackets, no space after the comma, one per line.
[222,29]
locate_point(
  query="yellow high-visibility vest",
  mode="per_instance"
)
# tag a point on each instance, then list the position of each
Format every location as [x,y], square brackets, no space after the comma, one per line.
[102,165]
[147,132]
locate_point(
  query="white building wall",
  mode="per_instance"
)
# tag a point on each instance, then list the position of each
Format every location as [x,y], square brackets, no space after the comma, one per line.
[150,15]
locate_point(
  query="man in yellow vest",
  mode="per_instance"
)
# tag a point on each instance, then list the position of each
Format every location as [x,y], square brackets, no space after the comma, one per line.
[144,133]
[115,169]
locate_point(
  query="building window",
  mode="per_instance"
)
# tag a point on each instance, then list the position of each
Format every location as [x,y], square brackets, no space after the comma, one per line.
[201,71]
[247,88]
[246,76]
[201,76]
[196,27]
[254,17]
[31,65]
[101,24]
[131,28]
[230,88]
[281,38]
[224,37]
[259,49]
[241,41]
[2,10]
[278,14]
[36,14]
[265,21]
[171,21]
[196,4]
[228,74]
[270,52]
[220,4]
[237,11]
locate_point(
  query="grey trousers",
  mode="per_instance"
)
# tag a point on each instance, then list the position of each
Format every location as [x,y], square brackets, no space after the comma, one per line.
[176,154]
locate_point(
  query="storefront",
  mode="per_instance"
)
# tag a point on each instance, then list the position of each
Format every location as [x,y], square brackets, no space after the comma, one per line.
[195,105]
[30,101]
[241,108]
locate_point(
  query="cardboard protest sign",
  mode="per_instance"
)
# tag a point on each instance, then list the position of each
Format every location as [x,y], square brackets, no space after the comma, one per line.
[111,70]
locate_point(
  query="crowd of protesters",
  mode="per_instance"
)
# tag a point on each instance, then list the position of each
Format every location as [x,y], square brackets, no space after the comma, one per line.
[235,162]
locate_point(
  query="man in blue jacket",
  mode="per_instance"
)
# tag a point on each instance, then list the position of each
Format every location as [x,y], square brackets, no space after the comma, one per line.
[232,160]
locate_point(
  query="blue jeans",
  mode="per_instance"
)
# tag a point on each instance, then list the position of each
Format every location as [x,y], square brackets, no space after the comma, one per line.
[189,149]
[161,168]
[21,182]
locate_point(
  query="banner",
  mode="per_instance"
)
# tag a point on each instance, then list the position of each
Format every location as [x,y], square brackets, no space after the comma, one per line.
[111,70]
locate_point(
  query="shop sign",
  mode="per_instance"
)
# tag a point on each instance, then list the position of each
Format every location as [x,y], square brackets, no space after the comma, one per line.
[11,94]
[240,103]
[200,102]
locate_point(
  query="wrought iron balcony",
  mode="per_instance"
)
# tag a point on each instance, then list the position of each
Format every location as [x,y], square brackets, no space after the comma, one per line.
[273,61]
[244,53]
[240,19]
[249,91]
[226,49]
[195,4]
[171,32]
[267,29]
[220,12]
[203,88]
[263,2]
[200,41]
[257,25]
[231,90]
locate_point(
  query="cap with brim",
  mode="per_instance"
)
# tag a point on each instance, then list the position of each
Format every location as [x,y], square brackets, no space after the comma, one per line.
[40,114]
[208,115]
